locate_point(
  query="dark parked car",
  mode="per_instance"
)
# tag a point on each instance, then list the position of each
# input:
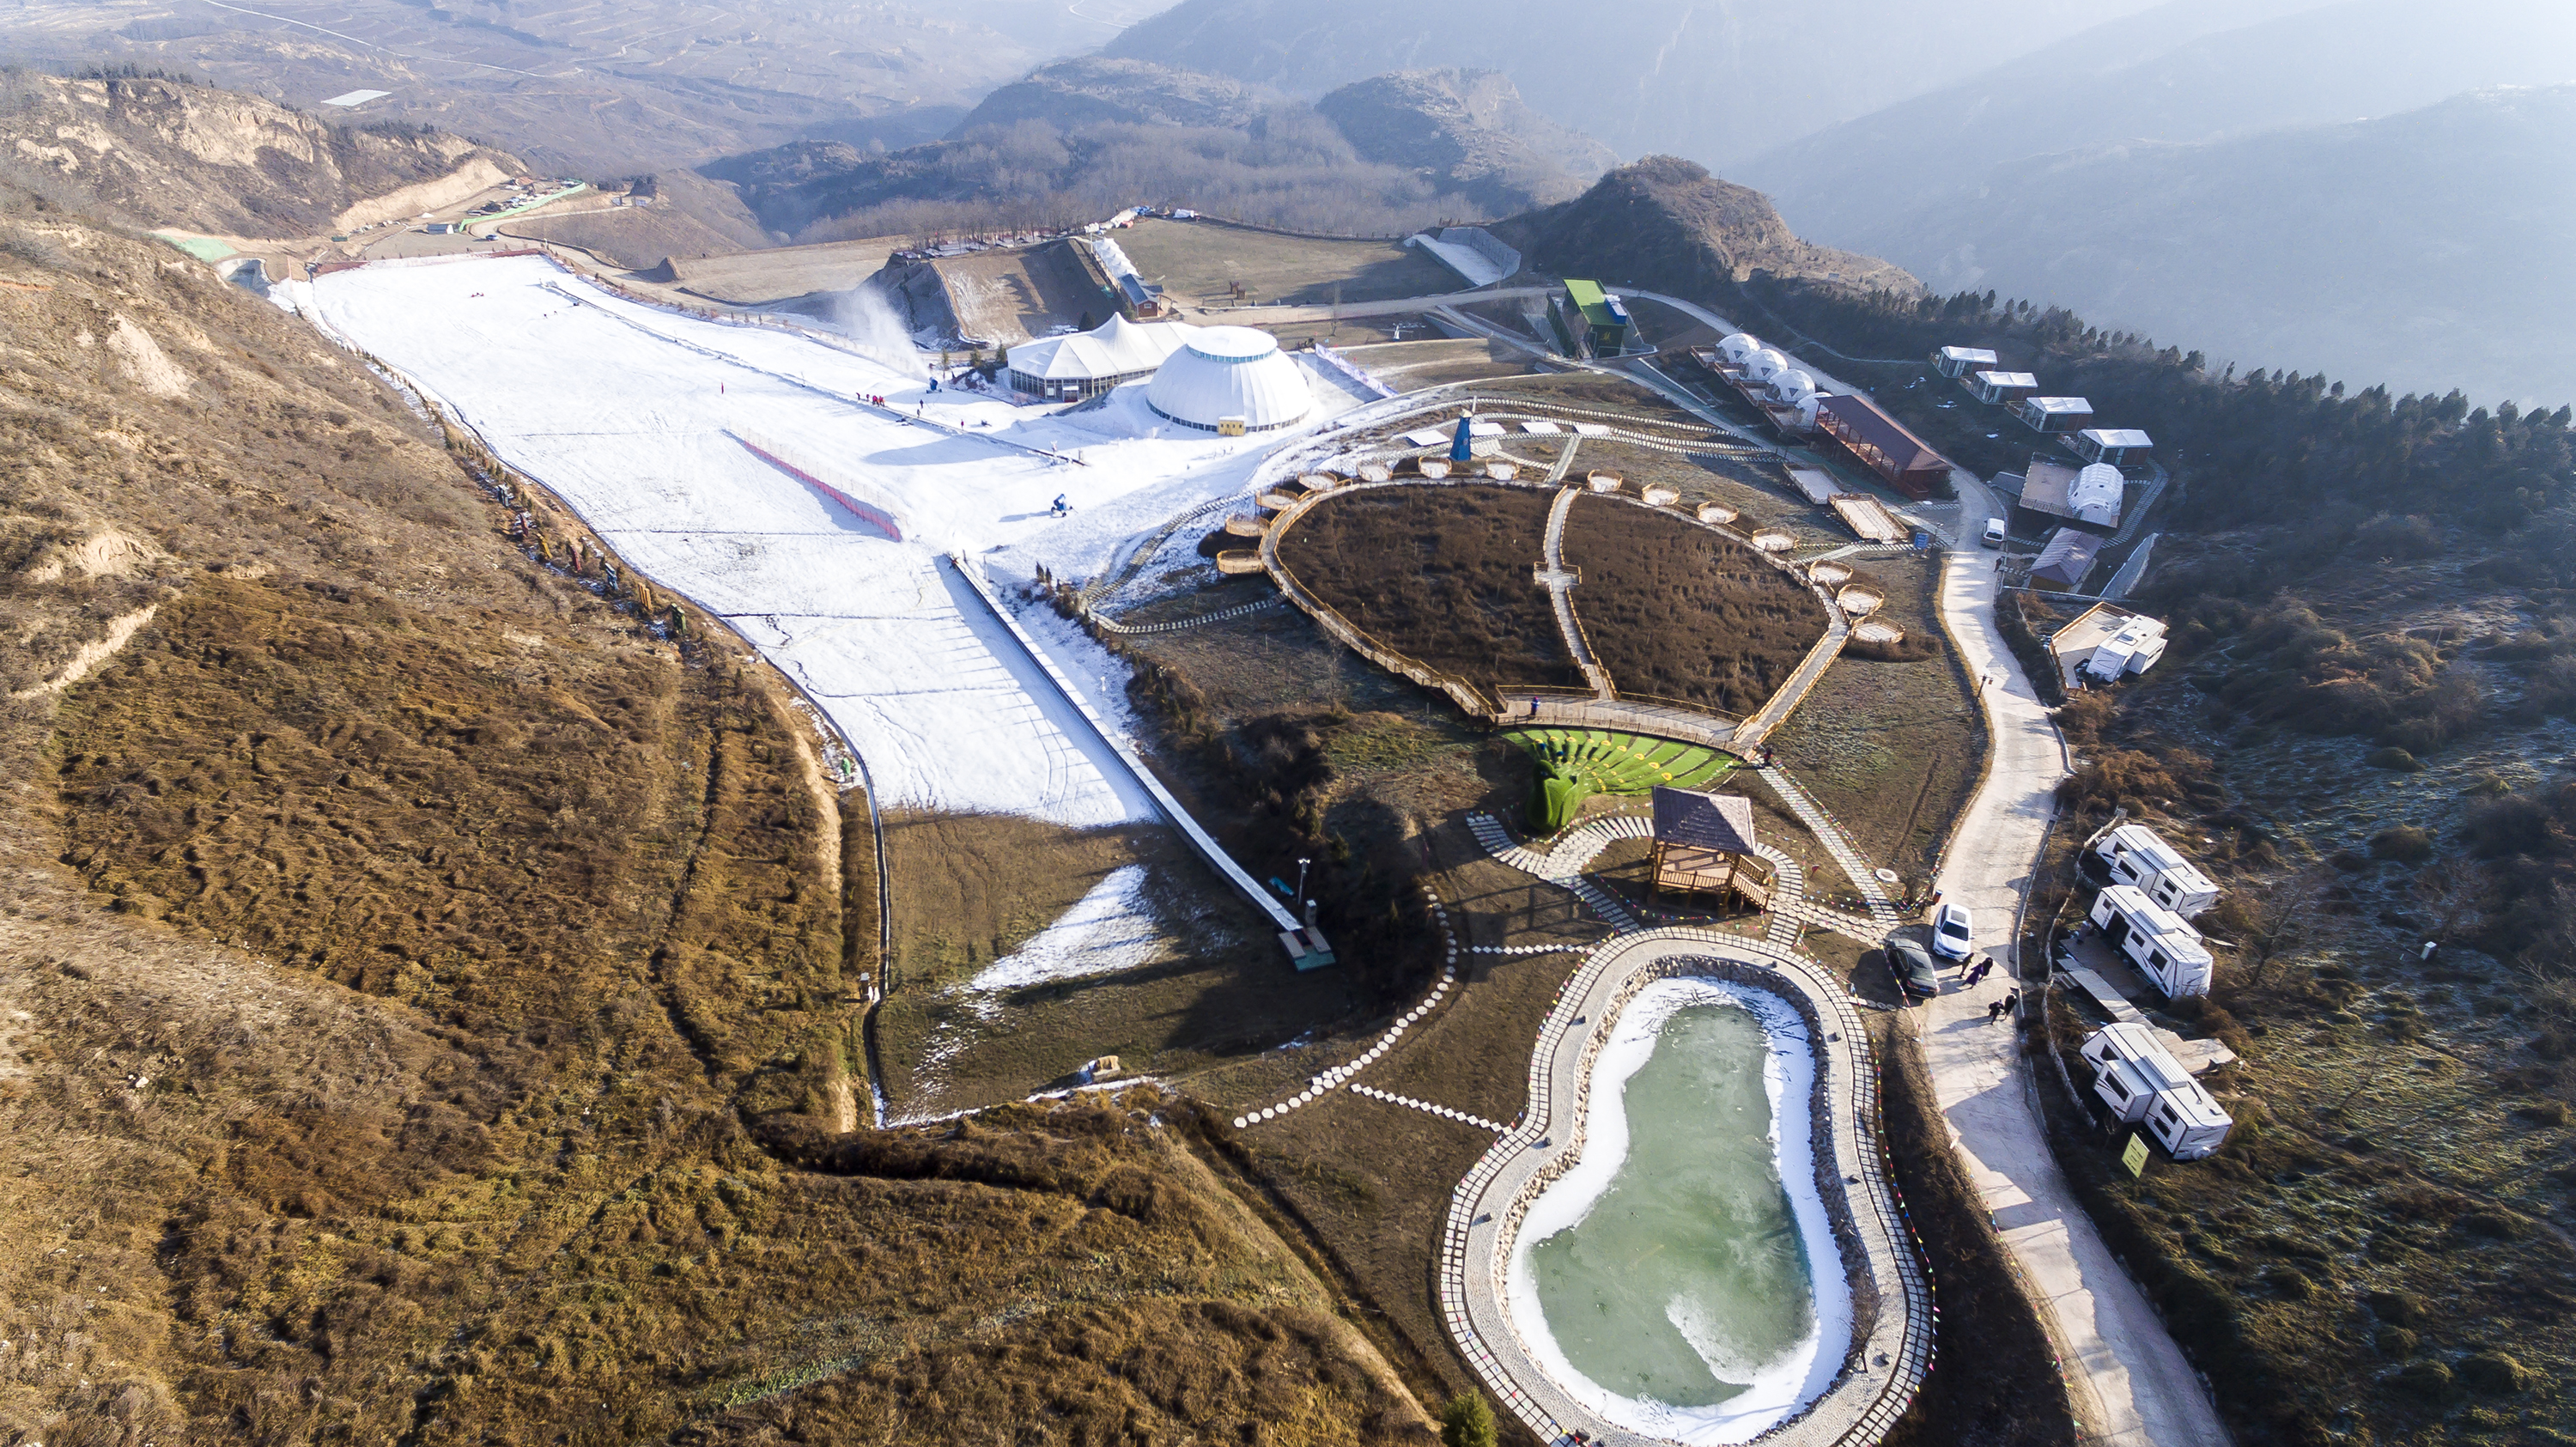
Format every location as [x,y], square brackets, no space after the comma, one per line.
[1915,977]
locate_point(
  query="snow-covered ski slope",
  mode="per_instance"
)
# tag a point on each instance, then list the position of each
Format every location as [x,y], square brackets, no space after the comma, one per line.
[632,416]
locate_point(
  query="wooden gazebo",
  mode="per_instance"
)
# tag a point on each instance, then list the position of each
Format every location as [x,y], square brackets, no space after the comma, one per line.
[1704,845]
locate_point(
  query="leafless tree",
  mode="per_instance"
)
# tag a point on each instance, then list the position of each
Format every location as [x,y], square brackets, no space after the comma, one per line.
[2456,893]
[2278,917]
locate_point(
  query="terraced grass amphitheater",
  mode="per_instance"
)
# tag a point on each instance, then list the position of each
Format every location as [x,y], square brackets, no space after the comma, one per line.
[1625,1182]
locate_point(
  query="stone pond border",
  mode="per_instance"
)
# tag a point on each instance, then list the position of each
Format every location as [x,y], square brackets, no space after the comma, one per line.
[1892,1306]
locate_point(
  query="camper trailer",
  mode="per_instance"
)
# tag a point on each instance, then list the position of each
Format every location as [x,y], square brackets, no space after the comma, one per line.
[2138,855]
[2164,947]
[2143,1084]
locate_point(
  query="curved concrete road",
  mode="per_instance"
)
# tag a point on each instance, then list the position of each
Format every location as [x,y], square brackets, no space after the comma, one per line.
[2131,1383]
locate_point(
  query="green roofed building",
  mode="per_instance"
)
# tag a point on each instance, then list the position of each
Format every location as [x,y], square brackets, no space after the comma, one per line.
[1591,322]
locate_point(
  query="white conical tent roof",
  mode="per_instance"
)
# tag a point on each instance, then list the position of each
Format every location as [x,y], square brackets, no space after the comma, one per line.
[1115,348]
[1224,372]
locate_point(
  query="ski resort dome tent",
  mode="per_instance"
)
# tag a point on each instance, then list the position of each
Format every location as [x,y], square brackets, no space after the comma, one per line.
[1764,365]
[1225,377]
[1739,348]
[1792,387]
[1086,364]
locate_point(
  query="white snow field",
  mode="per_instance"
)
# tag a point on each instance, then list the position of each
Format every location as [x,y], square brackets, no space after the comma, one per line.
[633,416]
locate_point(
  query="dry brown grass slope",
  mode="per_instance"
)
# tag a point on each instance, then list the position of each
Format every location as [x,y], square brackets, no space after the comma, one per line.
[405,954]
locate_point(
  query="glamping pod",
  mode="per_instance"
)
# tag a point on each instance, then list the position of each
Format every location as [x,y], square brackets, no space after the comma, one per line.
[1792,387]
[1764,365]
[2161,943]
[2138,856]
[1739,348]
[2139,1079]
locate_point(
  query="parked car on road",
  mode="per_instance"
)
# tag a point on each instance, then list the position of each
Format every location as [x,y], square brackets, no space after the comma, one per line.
[1916,979]
[1952,930]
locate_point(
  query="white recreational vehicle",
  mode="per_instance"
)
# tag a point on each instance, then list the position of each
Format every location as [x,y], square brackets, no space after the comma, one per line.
[2140,856]
[2143,1084]
[2164,946]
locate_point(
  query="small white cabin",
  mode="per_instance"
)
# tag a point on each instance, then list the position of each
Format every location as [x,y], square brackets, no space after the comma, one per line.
[2161,943]
[2107,643]
[2139,856]
[1960,361]
[2142,1083]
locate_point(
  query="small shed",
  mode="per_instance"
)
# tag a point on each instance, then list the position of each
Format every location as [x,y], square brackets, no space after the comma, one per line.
[2117,446]
[2064,560]
[2055,414]
[1997,388]
[1704,845]
[1960,361]
[1594,322]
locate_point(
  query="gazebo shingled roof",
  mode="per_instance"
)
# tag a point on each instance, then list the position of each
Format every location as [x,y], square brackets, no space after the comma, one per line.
[1700,820]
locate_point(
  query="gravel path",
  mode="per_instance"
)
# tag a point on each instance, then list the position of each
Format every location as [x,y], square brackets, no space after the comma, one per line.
[2131,1383]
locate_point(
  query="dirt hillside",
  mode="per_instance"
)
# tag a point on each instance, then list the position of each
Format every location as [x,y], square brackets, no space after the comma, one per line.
[1666,223]
[428,990]
[164,153]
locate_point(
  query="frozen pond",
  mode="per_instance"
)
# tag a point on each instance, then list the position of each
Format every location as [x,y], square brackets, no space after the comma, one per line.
[1671,1280]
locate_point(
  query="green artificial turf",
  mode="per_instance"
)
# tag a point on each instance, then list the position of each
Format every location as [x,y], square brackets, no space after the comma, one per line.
[1575,764]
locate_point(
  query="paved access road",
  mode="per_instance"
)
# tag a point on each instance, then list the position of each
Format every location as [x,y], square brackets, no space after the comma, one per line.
[2133,1386]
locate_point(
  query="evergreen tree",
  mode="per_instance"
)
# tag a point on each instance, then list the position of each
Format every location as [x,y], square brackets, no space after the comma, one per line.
[1467,1422]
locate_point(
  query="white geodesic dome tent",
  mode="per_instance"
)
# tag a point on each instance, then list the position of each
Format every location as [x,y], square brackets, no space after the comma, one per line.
[1228,372]
[1739,348]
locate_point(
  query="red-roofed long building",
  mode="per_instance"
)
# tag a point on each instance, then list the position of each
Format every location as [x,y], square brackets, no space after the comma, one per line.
[1882,444]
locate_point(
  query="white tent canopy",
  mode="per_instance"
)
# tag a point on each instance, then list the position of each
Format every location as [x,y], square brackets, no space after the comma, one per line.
[1230,372]
[1117,350]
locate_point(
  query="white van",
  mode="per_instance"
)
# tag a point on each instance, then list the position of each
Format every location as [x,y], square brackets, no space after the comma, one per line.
[2161,943]
[1994,534]
[2142,1083]
[2138,855]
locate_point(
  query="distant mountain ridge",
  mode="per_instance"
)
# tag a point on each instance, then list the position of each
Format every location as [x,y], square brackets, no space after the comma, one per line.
[1135,92]
[1718,83]
[1468,131]
[1080,138]
[165,153]
[2186,72]
[2426,250]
